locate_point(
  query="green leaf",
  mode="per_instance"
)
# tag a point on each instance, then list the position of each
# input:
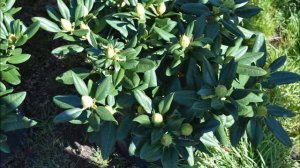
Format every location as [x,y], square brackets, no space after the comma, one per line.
[68,115]
[195,9]
[247,11]
[67,78]
[208,73]
[105,114]
[164,35]
[279,111]
[255,132]
[32,29]
[228,73]
[249,58]
[80,85]
[142,119]
[47,24]
[63,9]
[150,153]
[125,127]
[67,49]
[143,100]
[67,101]
[278,131]
[283,77]
[170,157]
[156,135]
[233,28]
[145,65]
[279,62]
[4,147]
[237,130]
[11,76]
[18,59]
[107,139]
[250,70]
[119,26]
[103,89]
[10,102]
[15,122]
[185,97]
[165,104]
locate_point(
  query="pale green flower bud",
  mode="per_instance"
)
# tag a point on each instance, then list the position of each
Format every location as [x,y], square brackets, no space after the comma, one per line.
[161,8]
[166,140]
[185,41]
[186,129]
[66,25]
[87,101]
[157,119]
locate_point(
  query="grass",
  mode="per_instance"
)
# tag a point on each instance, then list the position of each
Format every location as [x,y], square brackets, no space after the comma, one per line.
[279,21]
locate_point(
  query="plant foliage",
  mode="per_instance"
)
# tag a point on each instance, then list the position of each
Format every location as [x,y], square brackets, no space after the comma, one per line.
[13,34]
[169,77]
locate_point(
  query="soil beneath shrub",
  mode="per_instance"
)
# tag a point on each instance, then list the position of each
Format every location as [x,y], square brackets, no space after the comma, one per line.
[38,80]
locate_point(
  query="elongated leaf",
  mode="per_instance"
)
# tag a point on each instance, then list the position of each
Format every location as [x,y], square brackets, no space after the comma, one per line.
[185,97]
[237,130]
[250,70]
[142,119]
[18,59]
[105,114]
[10,102]
[233,28]
[279,111]
[47,25]
[143,100]
[150,152]
[125,127]
[107,139]
[247,11]
[68,115]
[67,78]
[255,132]
[164,35]
[279,62]
[32,29]
[170,157]
[63,9]
[283,77]
[67,101]
[103,89]
[249,58]
[208,73]
[67,49]
[228,74]
[278,131]
[15,122]
[195,9]
[165,104]
[145,65]
[80,85]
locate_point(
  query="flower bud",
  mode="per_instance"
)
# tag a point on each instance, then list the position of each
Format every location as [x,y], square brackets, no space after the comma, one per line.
[166,140]
[157,119]
[87,101]
[12,38]
[221,91]
[66,25]
[261,111]
[161,8]
[110,52]
[140,10]
[185,41]
[84,26]
[186,129]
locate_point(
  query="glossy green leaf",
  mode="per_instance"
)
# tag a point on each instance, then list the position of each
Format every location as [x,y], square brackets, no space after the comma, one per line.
[278,131]
[143,100]
[80,85]
[67,101]
[68,115]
